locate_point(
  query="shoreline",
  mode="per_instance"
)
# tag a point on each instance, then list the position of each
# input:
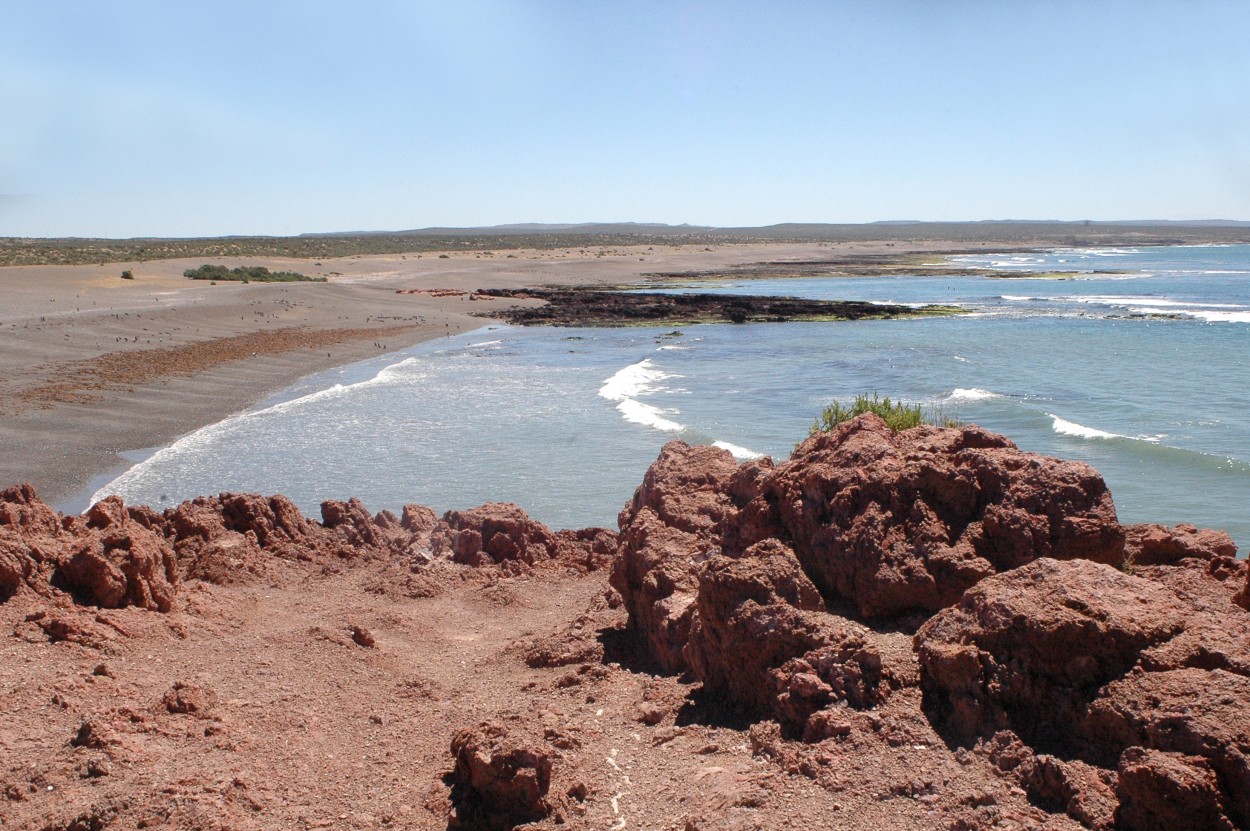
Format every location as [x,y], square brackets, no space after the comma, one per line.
[93,367]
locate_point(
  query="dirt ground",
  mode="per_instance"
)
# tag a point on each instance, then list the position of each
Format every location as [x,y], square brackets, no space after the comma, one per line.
[286,721]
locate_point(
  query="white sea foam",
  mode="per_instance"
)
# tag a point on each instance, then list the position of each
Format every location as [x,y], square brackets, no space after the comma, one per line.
[485,343]
[1097,252]
[961,359]
[636,379]
[1131,300]
[1222,317]
[1019,297]
[1070,428]
[637,412]
[742,454]
[972,394]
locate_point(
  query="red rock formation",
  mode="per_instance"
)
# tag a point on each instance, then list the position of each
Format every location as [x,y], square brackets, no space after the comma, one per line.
[1185,713]
[1028,649]
[502,533]
[499,781]
[666,529]
[117,562]
[1152,545]
[760,639]
[909,521]
[1098,666]
[894,522]
[1168,790]
[30,541]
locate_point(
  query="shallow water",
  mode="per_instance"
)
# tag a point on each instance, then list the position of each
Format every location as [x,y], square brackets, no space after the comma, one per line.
[565,421]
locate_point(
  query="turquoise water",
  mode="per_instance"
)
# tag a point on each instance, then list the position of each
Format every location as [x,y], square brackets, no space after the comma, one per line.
[565,421]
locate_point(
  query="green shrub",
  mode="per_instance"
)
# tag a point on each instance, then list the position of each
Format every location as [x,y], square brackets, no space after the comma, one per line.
[897,414]
[248,274]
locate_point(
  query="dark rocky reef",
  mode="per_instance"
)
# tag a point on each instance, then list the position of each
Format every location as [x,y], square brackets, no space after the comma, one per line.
[600,307]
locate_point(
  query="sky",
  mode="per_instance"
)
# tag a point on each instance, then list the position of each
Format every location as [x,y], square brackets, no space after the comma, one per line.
[123,119]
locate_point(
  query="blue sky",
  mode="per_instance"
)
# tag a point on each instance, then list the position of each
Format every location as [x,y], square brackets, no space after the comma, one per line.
[167,119]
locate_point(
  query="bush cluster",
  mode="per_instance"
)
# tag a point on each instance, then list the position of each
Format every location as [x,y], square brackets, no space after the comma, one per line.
[897,414]
[248,274]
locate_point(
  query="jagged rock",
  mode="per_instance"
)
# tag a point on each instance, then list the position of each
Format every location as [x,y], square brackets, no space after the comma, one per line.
[667,529]
[25,513]
[418,519]
[1169,791]
[585,549]
[910,520]
[273,523]
[1028,649]
[117,562]
[1191,712]
[499,781]
[19,565]
[1217,632]
[686,488]
[501,533]
[227,560]
[354,523]
[1151,545]
[895,522]
[31,538]
[761,641]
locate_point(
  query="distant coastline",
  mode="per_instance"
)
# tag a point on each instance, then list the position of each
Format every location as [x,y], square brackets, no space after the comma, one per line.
[93,365]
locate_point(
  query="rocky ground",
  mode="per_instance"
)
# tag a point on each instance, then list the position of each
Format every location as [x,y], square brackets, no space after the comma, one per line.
[924,630]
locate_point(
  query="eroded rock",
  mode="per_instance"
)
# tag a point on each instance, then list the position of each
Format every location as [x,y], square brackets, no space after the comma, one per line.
[499,780]
[1028,649]
[1152,545]
[909,521]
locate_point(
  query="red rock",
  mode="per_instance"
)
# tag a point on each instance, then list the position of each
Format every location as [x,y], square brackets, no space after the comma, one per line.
[910,520]
[1150,545]
[189,699]
[19,565]
[418,519]
[499,781]
[117,562]
[761,642]
[1028,649]
[1191,712]
[354,523]
[654,573]
[1169,791]
[231,559]
[686,488]
[122,569]
[26,514]
[666,530]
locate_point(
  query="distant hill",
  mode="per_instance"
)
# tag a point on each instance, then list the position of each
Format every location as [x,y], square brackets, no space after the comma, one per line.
[1041,233]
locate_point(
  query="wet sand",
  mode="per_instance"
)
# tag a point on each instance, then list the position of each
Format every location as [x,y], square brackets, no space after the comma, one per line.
[92,366]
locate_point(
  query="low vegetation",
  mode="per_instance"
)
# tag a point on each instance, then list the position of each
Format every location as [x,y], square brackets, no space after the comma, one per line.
[898,415]
[248,274]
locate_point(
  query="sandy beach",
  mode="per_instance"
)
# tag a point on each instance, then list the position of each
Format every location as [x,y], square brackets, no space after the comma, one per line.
[93,365]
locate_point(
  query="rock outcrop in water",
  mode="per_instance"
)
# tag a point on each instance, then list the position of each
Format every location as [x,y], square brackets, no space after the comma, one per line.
[927,629]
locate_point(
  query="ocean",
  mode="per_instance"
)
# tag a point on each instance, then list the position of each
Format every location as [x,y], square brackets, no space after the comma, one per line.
[1133,360]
